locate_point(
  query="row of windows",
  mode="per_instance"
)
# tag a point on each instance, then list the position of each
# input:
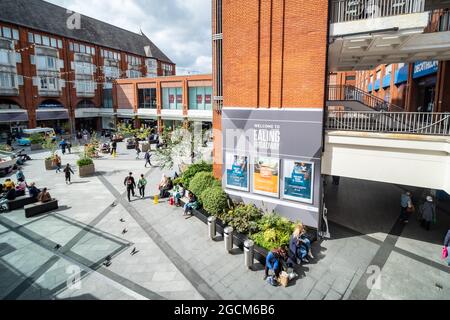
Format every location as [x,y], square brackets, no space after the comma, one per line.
[44,40]
[134,61]
[110,54]
[81,48]
[200,98]
[9,33]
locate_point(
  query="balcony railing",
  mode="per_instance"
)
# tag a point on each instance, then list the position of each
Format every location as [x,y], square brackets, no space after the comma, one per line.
[353,10]
[437,124]
[351,93]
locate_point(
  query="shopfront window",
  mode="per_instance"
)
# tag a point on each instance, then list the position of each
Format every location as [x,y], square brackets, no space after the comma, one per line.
[200,98]
[147,98]
[173,98]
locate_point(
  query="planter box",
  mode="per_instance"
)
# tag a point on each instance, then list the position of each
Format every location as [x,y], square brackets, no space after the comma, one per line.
[86,171]
[49,165]
[35,147]
[145,147]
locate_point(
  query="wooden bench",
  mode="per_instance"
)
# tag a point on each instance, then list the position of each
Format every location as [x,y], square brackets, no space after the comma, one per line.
[20,203]
[39,207]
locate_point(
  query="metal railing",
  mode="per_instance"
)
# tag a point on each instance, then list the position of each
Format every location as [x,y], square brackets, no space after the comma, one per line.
[351,93]
[353,10]
[437,124]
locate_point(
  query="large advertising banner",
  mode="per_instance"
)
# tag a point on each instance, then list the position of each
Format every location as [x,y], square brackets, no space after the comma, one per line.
[283,148]
[266,176]
[298,181]
[237,172]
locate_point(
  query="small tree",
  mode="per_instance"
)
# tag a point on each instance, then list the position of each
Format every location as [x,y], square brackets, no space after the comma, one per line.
[50,144]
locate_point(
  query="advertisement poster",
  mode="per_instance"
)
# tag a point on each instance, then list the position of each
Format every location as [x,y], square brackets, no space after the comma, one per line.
[199,99]
[208,99]
[237,172]
[171,98]
[298,181]
[179,98]
[266,176]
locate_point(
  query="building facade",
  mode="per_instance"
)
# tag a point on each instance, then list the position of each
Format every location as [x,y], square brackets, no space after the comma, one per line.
[164,102]
[59,72]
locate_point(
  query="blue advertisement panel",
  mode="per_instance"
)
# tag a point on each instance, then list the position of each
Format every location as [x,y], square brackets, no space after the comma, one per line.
[298,181]
[237,172]
[425,68]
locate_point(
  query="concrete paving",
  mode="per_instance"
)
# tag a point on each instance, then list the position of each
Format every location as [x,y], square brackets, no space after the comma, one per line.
[176,260]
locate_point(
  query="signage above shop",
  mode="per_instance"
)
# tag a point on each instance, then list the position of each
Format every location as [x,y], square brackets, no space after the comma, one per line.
[425,68]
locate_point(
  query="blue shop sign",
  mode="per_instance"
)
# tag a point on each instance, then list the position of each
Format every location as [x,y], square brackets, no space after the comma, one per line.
[370,87]
[377,85]
[401,75]
[425,68]
[387,81]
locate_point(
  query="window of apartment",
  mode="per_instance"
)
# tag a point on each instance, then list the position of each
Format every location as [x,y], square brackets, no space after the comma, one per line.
[7,32]
[53,42]
[4,57]
[200,98]
[147,98]
[134,74]
[49,83]
[85,86]
[84,68]
[173,98]
[7,80]
[152,68]
[30,37]
[82,48]
[46,63]
[37,39]
[107,99]
[15,34]
[60,44]
[46,41]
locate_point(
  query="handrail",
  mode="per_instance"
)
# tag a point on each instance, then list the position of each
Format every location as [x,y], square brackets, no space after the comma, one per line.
[351,93]
[390,122]
[353,10]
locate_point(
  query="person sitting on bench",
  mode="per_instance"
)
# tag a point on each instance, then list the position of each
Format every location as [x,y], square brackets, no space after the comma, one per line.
[44,196]
[21,188]
[180,191]
[191,205]
[8,196]
[9,184]
[274,262]
[165,186]
[34,192]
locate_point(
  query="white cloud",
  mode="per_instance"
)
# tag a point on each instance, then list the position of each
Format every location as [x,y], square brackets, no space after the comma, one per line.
[181,29]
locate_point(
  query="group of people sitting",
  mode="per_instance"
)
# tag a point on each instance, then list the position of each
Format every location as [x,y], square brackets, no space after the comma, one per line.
[10,191]
[178,192]
[283,258]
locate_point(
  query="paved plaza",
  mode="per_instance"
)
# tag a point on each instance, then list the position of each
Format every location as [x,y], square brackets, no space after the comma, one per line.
[176,259]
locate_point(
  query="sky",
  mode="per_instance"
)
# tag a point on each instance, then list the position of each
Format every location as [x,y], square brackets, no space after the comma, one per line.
[180,28]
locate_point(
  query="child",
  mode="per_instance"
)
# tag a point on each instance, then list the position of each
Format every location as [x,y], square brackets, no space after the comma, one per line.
[68,171]
[179,193]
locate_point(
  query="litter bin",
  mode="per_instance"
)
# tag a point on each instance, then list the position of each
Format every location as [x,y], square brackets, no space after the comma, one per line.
[212,227]
[249,253]
[228,236]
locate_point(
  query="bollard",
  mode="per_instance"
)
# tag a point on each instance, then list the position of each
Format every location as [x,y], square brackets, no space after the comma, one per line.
[156,199]
[249,253]
[228,237]
[212,227]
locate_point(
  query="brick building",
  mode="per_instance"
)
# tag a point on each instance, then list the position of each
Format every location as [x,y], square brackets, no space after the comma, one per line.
[164,101]
[279,43]
[57,68]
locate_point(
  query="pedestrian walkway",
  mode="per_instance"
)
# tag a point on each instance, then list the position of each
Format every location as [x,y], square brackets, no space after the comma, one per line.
[175,259]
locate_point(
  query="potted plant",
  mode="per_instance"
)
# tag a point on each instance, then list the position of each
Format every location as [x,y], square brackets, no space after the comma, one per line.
[49,144]
[36,142]
[86,167]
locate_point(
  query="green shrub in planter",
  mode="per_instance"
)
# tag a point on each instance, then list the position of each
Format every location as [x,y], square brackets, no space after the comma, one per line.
[201,182]
[244,218]
[37,139]
[85,162]
[190,173]
[275,232]
[215,201]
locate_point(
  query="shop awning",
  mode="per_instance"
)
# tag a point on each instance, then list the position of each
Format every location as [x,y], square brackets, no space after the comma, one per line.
[377,84]
[401,75]
[387,81]
[52,115]
[18,116]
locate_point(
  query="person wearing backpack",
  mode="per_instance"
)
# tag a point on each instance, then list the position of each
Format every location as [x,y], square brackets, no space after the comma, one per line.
[130,184]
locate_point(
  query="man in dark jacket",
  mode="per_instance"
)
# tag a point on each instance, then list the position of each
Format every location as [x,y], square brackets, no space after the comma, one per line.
[447,244]
[113,147]
[130,183]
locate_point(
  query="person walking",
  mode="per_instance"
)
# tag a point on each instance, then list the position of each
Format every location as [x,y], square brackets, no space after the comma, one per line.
[428,213]
[405,206]
[69,147]
[68,172]
[148,160]
[130,183]
[447,245]
[63,145]
[141,185]
[114,147]
[57,162]
[138,150]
